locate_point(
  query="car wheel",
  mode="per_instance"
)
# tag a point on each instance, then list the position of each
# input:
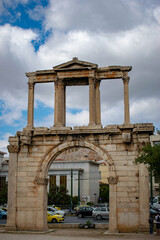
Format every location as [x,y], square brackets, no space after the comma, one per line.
[99,217]
[4,217]
[54,220]
[80,215]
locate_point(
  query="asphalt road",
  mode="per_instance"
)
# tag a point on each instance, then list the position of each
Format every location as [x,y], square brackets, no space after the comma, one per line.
[74,219]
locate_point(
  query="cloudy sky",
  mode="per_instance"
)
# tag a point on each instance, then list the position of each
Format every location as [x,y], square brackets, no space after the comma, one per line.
[40,34]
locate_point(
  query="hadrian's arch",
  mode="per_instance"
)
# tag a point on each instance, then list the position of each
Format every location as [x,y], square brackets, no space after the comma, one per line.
[35,148]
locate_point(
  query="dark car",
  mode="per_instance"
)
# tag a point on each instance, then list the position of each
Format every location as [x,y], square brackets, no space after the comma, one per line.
[84,211]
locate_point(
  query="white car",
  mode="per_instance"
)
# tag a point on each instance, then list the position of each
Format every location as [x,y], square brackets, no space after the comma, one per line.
[100,212]
[55,211]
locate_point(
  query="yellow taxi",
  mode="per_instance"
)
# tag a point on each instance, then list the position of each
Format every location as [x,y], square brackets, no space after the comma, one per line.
[76,208]
[51,218]
[58,208]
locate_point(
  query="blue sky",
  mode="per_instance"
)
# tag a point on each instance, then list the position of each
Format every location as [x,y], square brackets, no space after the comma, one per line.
[39,34]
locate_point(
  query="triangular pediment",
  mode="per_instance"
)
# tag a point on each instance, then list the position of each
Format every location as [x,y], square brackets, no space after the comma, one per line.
[74,64]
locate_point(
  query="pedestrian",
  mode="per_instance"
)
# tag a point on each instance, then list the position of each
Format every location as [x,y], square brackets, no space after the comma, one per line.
[157,218]
[151,223]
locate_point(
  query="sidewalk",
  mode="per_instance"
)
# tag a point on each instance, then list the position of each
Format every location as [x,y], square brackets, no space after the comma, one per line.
[71,234]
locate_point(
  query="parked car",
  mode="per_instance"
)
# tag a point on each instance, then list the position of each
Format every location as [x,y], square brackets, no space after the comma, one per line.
[3,214]
[84,211]
[54,218]
[77,207]
[101,212]
[58,208]
[55,211]
[156,202]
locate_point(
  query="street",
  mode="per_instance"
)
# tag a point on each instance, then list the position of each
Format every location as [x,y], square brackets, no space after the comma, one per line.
[73,219]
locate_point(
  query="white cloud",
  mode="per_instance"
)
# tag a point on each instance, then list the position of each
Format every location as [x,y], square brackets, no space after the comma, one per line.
[84,33]
[78,119]
[93,15]
[146,110]
[4,143]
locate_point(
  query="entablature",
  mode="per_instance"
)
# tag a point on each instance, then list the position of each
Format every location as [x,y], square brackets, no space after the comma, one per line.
[79,70]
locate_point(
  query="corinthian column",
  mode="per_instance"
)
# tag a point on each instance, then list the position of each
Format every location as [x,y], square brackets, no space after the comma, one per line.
[92,119]
[30,105]
[60,106]
[55,102]
[126,99]
[97,102]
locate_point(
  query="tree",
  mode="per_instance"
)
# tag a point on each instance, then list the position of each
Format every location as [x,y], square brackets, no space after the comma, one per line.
[3,194]
[150,156]
[58,195]
[104,193]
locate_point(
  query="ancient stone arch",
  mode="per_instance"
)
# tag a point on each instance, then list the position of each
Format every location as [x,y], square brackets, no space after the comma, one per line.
[54,151]
[33,149]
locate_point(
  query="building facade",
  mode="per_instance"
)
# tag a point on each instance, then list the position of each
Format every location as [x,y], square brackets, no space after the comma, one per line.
[155,139]
[80,176]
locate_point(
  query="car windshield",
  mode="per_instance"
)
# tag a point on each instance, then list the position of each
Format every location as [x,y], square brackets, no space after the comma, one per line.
[51,213]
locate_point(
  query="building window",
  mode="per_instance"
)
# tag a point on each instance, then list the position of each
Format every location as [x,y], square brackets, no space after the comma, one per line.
[2,183]
[52,181]
[63,181]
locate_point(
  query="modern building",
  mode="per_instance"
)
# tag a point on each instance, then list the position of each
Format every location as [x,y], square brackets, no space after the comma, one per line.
[3,170]
[155,139]
[81,176]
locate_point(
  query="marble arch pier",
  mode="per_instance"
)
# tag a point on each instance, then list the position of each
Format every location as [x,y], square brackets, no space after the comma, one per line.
[32,150]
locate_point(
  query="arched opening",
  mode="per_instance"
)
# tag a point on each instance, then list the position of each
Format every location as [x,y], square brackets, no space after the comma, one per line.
[53,154]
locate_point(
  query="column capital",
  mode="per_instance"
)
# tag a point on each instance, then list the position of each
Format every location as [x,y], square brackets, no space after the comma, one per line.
[91,80]
[41,181]
[112,180]
[13,148]
[31,85]
[97,81]
[126,79]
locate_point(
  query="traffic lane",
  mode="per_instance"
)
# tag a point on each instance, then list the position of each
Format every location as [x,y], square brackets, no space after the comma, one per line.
[74,219]
[3,221]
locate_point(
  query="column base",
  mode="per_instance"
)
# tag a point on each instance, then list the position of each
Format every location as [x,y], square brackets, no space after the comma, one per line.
[110,231]
[10,228]
[90,126]
[60,128]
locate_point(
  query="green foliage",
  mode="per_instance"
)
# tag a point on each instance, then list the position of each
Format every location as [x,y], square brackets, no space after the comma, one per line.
[90,203]
[104,193]
[58,195]
[150,156]
[3,195]
[88,222]
[75,200]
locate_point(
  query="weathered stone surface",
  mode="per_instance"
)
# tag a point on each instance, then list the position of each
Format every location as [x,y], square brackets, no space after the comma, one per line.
[34,149]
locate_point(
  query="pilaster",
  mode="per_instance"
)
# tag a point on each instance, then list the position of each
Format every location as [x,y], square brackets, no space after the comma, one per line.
[113,204]
[13,149]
